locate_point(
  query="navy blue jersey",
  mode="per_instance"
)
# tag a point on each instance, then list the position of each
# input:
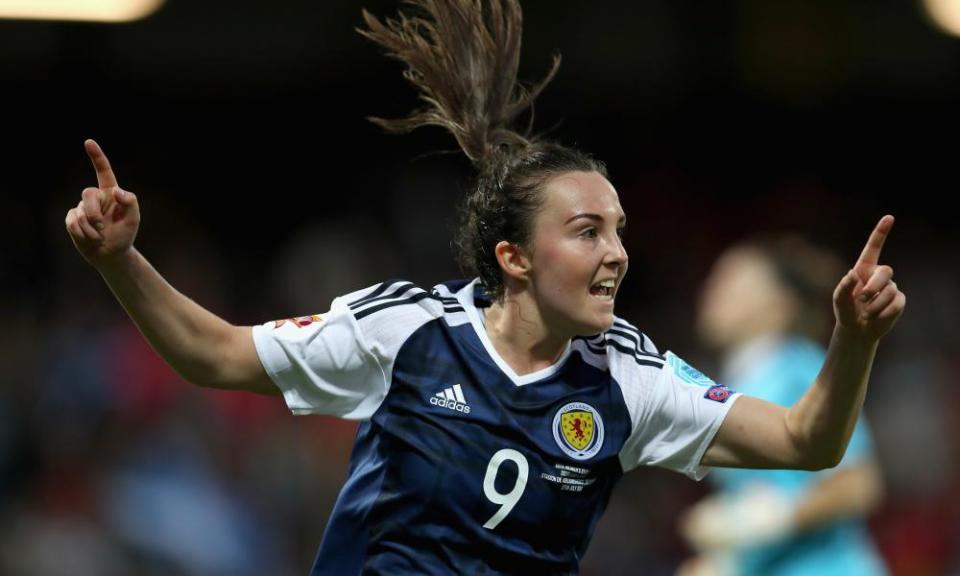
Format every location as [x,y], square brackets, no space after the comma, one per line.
[462,466]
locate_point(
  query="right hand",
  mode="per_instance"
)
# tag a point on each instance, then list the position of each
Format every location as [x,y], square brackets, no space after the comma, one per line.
[104,224]
[867,302]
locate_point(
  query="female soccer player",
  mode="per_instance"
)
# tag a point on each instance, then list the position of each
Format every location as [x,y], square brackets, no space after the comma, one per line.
[497,413]
[763,308]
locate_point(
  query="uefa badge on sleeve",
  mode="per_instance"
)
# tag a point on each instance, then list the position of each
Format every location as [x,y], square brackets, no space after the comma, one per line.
[718,393]
[300,321]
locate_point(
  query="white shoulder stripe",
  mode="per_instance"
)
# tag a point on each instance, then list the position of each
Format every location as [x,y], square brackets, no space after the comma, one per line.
[644,343]
[444,292]
[379,290]
[396,294]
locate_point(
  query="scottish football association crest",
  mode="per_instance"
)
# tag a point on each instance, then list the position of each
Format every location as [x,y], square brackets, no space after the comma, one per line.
[578,430]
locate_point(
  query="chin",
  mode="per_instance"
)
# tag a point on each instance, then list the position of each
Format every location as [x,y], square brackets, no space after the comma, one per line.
[595,325]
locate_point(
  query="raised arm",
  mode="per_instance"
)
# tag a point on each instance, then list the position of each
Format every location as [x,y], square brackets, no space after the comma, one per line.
[203,348]
[814,432]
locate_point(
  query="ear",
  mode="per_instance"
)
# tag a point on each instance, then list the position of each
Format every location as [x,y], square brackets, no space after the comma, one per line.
[513,260]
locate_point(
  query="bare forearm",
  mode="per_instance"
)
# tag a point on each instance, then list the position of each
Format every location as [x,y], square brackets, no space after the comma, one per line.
[185,334]
[201,347]
[822,421]
[814,432]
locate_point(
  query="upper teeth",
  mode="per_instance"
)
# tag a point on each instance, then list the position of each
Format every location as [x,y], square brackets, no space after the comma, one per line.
[608,283]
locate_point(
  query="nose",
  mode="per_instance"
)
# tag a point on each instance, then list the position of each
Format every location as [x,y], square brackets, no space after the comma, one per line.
[616,253]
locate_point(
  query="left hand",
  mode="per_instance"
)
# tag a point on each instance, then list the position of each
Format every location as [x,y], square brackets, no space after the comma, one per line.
[867,302]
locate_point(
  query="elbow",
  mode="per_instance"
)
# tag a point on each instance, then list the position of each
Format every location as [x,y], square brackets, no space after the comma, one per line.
[202,378]
[821,461]
[813,456]
[195,374]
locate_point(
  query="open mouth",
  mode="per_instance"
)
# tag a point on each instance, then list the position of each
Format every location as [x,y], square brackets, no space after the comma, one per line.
[603,289]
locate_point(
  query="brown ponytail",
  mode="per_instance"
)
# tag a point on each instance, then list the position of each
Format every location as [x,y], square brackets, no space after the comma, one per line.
[462,56]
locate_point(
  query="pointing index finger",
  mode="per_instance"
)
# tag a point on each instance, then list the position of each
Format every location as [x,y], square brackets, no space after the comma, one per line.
[871,252]
[105,177]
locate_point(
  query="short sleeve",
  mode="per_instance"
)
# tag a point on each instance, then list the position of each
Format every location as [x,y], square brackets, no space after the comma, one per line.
[676,412]
[339,363]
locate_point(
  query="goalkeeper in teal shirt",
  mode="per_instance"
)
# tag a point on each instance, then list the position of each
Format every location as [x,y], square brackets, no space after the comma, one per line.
[761,307]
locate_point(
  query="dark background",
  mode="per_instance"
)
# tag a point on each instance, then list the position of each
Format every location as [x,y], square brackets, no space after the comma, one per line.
[265,192]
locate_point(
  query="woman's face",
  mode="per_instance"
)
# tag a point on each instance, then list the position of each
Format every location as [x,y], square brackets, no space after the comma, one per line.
[578,259]
[741,299]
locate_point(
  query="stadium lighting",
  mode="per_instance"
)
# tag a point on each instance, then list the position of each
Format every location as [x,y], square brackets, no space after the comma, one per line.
[85,10]
[945,15]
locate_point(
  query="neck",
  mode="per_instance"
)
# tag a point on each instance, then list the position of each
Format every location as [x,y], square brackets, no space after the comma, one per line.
[521,337]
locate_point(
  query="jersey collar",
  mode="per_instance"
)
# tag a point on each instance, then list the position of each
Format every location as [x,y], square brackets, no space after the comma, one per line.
[472,295]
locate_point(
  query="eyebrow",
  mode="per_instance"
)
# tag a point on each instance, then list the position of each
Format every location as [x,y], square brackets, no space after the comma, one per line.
[591,216]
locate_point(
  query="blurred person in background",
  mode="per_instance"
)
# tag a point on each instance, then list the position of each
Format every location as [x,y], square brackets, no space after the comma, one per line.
[763,308]
[497,412]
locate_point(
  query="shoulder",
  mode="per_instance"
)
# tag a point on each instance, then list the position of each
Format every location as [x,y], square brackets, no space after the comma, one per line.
[627,353]
[629,348]
[627,339]
[385,299]
[400,307]
[397,297]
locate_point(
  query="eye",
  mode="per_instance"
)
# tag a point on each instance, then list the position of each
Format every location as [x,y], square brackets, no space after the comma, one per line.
[589,232]
[621,231]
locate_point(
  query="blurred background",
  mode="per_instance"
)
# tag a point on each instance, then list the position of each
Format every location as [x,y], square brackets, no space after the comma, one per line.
[241,127]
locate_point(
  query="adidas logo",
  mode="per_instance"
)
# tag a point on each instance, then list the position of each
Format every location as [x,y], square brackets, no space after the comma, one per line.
[451,398]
